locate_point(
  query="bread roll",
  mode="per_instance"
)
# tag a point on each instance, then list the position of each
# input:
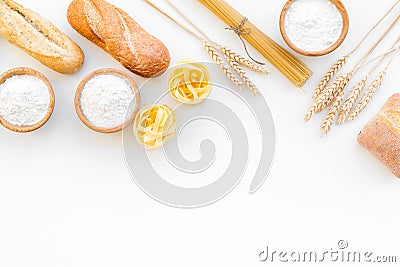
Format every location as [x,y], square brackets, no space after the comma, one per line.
[39,38]
[118,34]
[381,136]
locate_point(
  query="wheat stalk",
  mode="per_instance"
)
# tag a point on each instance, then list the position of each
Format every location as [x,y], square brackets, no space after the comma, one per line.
[328,95]
[250,85]
[328,76]
[351,100]
[231,55]
[333,111]
[375,85]
[217,59]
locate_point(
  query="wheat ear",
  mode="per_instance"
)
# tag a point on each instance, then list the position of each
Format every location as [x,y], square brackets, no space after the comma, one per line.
[368,95]
[250,85]
[217,59]
[328,95]
[329,75]
[351,100]
[333,111]
[231,55]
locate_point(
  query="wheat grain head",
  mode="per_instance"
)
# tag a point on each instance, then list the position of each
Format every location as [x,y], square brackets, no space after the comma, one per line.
[231,55]
[217,59]
[375,85]
[329,75]
[351,100]
[333,111]
[328,95]
[249,84]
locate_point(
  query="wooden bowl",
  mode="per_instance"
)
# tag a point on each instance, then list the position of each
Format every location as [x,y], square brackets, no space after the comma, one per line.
[342,10]
[32,72]
[78,93]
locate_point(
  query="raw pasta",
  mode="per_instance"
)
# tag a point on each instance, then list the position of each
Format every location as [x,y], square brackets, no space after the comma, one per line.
[189,82]
[155,126]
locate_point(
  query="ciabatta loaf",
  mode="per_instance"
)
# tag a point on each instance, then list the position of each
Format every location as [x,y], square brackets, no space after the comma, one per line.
[118,34]
[39,38]
[381,136]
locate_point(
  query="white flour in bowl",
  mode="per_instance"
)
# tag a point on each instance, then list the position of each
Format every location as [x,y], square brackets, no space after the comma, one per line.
[106,100]
[24,100]
[313,25]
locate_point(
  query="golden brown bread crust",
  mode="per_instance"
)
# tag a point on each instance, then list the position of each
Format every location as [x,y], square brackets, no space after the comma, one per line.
[118,34]
[381,136]
[39,38]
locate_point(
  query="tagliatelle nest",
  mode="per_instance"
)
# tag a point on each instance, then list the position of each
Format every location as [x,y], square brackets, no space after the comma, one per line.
[189,82]
[155,126]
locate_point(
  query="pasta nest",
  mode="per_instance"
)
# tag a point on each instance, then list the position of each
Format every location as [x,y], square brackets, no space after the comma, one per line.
[155,126]
[189,82]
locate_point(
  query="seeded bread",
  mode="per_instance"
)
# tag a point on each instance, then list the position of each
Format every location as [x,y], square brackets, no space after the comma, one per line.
[112,29]
[381,136]
[39,38]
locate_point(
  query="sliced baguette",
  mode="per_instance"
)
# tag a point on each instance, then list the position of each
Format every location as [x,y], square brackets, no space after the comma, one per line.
[112,29]
[39,38]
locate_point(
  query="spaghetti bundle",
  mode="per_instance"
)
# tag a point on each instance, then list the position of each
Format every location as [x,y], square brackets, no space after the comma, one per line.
[296,71]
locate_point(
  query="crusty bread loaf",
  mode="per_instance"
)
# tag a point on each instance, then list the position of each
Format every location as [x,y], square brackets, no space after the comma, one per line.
[39,38]
[118,34]
[381,136]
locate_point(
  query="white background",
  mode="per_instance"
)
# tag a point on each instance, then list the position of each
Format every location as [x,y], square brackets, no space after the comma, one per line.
[67,199]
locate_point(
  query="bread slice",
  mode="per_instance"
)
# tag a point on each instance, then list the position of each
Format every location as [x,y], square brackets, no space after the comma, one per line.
[39,38]
[381,136]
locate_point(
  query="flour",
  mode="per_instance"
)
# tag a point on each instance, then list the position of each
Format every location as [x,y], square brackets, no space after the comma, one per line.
[107,100]
[24,100]
[313,25]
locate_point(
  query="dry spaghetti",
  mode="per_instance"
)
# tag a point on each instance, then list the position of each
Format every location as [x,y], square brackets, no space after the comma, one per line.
[296,71]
